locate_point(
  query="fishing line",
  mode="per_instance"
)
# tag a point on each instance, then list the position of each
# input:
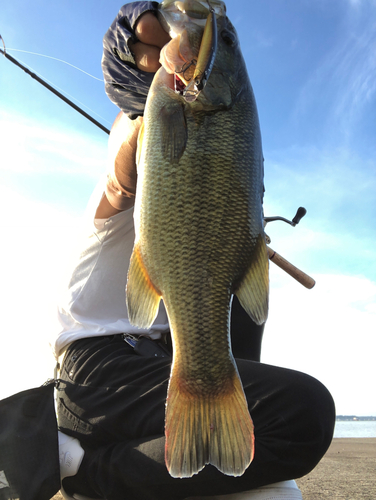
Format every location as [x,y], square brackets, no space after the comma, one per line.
[79,102]
[56,59]
[62,90]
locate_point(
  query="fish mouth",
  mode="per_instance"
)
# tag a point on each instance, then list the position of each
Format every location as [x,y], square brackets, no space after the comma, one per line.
[179,85]
[190,92]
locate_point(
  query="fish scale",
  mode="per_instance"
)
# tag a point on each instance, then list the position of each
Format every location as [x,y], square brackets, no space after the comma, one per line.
[199,240]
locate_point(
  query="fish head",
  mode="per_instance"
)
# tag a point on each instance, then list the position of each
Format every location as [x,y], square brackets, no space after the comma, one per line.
[229,76]
[186,22]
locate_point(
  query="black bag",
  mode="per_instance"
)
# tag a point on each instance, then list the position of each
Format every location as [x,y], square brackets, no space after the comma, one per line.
[29,453]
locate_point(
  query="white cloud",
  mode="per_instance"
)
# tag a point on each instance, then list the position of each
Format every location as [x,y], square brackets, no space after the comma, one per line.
[26,212]
[262,40]
[328,332]
[29,146]
[36,241]
[343,86]
[360,3]
[355,3]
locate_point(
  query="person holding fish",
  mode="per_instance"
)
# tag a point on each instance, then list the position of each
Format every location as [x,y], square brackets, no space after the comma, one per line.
[161,393]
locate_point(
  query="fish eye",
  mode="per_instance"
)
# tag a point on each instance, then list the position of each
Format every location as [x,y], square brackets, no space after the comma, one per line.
[228,37]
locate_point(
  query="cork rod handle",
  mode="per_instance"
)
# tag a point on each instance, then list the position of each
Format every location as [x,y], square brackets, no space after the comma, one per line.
[290,269]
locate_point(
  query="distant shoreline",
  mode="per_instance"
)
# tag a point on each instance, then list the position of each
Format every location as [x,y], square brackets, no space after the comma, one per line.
[354,418]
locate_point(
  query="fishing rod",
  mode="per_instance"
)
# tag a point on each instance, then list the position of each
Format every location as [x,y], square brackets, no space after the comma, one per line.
[52,89]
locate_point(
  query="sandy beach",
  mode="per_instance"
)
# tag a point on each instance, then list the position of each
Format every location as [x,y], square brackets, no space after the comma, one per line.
[347,472]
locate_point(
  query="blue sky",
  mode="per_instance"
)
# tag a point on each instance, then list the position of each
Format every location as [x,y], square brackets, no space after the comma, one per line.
[313,68]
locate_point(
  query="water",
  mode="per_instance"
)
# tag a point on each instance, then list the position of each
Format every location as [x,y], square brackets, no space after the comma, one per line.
[357,429]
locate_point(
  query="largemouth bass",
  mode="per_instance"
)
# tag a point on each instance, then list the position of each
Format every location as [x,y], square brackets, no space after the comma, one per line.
[200,237]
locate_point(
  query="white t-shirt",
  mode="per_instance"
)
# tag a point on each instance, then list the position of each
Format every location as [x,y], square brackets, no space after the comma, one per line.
[93,302]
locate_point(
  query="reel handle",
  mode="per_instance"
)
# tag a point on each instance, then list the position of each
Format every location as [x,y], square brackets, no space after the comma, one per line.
[299,215]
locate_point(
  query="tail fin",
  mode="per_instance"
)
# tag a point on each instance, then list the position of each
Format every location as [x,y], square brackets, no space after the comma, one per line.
[215,430]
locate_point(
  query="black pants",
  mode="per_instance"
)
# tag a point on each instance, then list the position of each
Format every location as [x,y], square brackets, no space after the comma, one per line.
[29,455]
[113,401]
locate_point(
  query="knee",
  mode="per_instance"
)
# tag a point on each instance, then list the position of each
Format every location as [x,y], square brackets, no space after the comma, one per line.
[314,422]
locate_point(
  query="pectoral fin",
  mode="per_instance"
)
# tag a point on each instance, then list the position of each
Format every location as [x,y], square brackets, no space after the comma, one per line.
[174,131]
[253,292]
[141,296]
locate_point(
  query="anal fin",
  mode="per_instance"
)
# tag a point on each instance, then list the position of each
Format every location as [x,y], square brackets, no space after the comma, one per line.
[253,292]
[141,296]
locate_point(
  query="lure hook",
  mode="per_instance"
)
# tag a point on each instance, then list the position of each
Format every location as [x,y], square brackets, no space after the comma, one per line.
[185,68]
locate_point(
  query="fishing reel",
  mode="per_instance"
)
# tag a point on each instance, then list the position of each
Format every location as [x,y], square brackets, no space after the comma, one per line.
[289,268]
[297,218]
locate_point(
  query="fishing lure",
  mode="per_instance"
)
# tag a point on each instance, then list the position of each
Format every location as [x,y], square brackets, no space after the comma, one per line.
[205,60]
